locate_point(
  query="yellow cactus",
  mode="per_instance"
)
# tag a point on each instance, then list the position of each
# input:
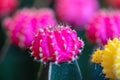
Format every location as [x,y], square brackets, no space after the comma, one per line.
[117,63]
[109,58]
[96,57]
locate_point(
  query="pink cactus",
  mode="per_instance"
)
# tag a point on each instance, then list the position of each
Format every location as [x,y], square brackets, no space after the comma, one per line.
[25,23]
[103,26]
[75,12]
[59,44]
[7,6]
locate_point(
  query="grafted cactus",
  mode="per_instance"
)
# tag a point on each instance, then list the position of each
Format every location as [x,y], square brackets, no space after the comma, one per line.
[25,23]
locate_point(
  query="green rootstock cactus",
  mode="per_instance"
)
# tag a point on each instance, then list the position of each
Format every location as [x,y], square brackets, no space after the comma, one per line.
[65,71]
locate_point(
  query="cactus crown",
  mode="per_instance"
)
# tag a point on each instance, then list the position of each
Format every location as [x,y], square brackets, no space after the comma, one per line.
[59,44]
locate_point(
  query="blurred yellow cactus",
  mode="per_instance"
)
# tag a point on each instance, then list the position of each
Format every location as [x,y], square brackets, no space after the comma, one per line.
[109,58]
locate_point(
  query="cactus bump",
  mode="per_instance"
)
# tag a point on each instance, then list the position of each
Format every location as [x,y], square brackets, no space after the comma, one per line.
[96,57]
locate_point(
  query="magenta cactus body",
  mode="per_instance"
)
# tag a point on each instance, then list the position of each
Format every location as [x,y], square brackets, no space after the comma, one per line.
[75,12]
[59,44]
[103,26]
[25,23]
[7,6]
